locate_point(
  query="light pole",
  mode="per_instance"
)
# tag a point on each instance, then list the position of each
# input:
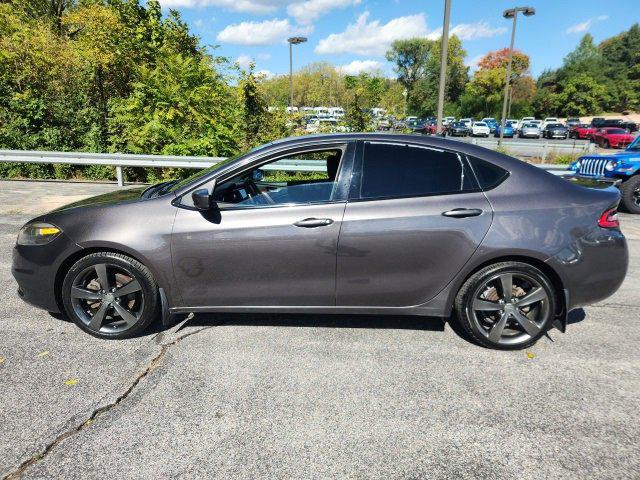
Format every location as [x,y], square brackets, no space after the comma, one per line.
[292,41]
[511,13]
[443,63]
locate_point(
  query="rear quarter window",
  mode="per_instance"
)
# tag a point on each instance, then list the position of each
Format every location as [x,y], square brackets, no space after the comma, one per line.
[489,175]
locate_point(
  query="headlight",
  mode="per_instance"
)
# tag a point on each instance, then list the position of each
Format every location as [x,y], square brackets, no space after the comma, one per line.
[38,234]
[611,165]
[576,166]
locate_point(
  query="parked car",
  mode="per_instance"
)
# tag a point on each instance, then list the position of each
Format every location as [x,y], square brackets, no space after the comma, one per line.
[491,122]
[572,122]
[522,121]
[614,122]
[384,123]
[417,125]
[447,120]
[555,130]
[612,137]
[509,131]
[232,239]
[629,125]
[457,129]
[468,122]
[581,131]
[530,130]
[622,166]
[547,121]
[480,129]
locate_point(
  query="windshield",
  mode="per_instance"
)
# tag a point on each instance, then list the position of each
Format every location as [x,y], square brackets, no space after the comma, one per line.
[481,124]
[205,171]
[635,145]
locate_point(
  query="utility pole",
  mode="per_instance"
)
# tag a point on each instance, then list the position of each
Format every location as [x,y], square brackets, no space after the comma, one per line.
[443,63]
[511,13]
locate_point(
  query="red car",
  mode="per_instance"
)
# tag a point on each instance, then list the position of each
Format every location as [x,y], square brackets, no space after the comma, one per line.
[612,137]
[582,130]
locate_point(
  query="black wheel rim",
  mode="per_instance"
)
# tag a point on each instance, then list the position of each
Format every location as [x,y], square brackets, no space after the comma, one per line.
[510,308]
[636,196]
[107,298]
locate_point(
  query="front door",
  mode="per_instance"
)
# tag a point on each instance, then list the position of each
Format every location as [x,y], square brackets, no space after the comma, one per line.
[272,239]
[413,220]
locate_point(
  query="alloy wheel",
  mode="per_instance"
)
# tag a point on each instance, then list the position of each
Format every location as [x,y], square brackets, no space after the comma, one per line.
[636,196]
[510,308]
[107,298]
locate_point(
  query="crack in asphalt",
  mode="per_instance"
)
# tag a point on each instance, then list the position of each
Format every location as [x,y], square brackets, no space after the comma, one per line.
[153,364]
[614,305]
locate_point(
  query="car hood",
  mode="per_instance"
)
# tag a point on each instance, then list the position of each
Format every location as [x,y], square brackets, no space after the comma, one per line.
[623,155]
[111,198]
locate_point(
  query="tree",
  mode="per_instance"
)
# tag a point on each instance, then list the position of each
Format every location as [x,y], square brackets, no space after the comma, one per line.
[258,125]
[580,95]
[417,63]
[484,94]
[180,106]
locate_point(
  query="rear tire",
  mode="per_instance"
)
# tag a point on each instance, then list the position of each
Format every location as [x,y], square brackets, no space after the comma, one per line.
[506,306]
[110,295]
[630,190]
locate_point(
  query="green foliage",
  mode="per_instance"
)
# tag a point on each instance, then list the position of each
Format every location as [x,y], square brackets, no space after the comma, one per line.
[417,64]
[594,79]
[122,76]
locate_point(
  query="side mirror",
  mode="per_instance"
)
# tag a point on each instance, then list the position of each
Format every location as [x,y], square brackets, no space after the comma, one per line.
[201,199]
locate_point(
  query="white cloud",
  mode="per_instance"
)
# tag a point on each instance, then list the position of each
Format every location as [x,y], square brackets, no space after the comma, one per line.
[360,66]
[244,60]
[264,56]
[199,23]
[268,32]
[308,11]
[472,63]
[469,31]
[586,25]
[247,6]
[265,73]
[372,38]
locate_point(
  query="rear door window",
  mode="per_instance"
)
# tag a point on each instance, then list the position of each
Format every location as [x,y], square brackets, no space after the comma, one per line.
[400,171]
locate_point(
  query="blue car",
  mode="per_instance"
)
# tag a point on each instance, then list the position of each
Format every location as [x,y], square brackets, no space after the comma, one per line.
[509,131]
[491,122]
[621,168]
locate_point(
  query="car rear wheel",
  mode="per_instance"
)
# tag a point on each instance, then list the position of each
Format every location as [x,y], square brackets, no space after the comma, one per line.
[605,143]
[630,190]
[507,306]
[110,295]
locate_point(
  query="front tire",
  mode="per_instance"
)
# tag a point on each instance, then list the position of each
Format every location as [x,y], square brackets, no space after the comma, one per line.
[110,295]
[506,306]
[630,190]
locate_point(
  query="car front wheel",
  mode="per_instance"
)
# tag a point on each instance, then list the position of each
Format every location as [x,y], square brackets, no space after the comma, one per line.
[507,306]
[110,295]
[630,190]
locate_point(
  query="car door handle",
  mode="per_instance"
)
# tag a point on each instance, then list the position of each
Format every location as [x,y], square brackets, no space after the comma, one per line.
[313,222]
[462,212]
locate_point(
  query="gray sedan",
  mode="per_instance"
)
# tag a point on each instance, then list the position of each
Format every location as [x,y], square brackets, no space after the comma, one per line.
[351,223]
[530,130]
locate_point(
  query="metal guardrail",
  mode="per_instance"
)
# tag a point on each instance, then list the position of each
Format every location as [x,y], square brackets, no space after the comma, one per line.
[540,149]
[120,160]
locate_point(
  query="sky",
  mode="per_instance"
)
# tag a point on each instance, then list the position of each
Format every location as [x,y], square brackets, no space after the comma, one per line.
[354,34]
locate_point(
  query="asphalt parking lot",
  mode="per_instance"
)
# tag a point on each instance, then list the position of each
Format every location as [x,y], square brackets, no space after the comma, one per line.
[312,396]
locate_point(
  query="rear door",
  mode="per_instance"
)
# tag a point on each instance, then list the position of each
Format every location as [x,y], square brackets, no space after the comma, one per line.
[414,217]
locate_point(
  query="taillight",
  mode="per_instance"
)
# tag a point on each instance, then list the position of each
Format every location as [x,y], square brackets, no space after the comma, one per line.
[609,219]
